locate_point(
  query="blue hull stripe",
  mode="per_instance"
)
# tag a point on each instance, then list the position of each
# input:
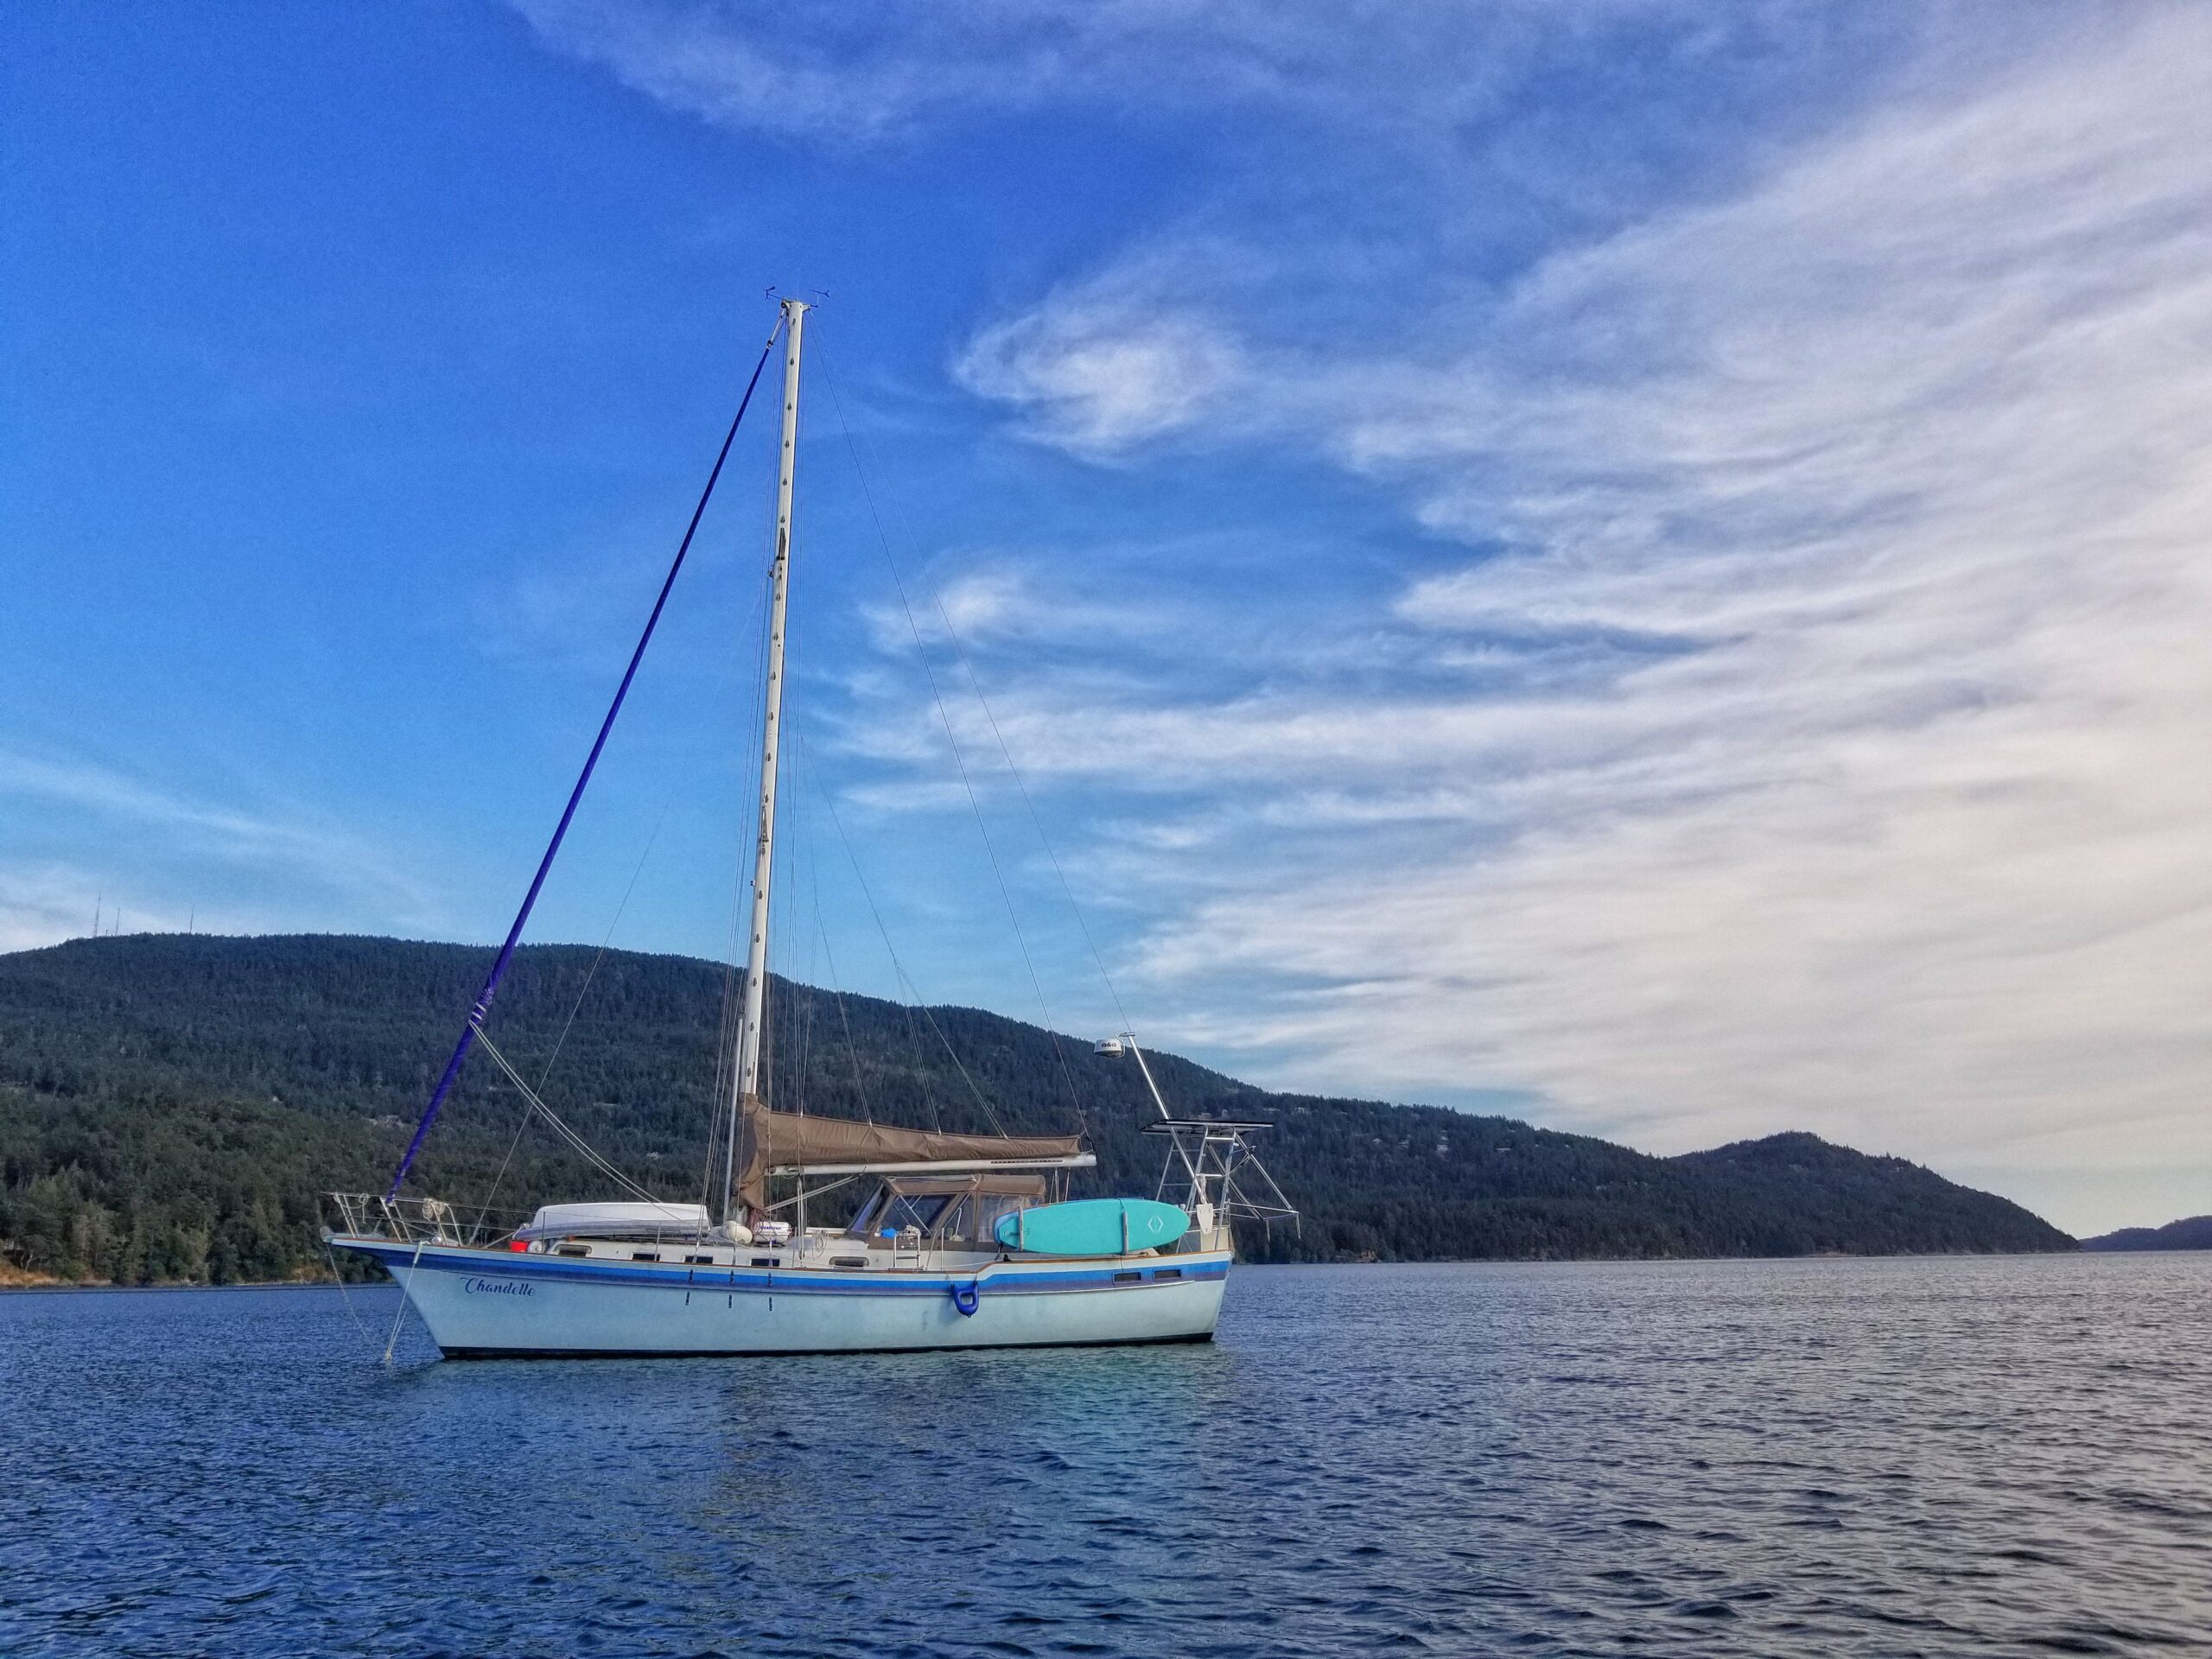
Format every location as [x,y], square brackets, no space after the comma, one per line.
[860,1282]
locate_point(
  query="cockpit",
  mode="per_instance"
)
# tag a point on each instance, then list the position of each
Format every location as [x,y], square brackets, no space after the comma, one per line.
[946,1211]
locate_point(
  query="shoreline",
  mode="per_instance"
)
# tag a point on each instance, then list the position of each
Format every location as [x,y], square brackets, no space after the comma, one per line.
[17,1280]
[14,1278]
[64,1286]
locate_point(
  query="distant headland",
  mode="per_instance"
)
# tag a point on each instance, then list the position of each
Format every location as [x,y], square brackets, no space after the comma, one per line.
[2191,1233]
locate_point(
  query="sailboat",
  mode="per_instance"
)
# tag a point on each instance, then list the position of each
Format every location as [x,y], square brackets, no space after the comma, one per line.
[964,1241]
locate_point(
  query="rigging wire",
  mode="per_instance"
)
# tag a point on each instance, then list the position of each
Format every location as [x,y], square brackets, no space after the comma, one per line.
[779,886]
[898,968]
[779,878]
[352,1312]
[803,1006]
[722,1114]
[1035,820]
[406,1296]
[844,1020]
[807,776]
[944,715]
[553,1118]
[916,1048]
[976,687]
[484,1210]
[975,684]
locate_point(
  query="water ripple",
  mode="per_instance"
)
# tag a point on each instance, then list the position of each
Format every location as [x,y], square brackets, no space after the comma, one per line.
[1955,1457]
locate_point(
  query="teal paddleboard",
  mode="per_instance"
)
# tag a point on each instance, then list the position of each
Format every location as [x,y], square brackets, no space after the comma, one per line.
[1093,1227]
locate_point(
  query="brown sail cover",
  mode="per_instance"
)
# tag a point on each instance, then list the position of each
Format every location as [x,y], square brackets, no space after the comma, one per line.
[778,1140]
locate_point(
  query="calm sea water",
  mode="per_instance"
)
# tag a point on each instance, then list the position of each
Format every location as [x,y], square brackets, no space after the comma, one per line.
[1940,1457]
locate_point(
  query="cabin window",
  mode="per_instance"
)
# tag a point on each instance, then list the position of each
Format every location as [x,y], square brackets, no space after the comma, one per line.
[1169,1273]
[767,1261]
[572,1250]
[848,1261]
[644,1256]
[700,1261]
[1127,1277]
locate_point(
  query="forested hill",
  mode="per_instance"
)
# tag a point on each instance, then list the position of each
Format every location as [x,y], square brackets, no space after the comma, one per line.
[171,1105]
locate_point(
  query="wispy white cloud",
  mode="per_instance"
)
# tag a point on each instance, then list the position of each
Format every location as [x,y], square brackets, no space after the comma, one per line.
[984,601]
[1096,372]
[1899,461]
[851,76]
[1810,733]
[152,835]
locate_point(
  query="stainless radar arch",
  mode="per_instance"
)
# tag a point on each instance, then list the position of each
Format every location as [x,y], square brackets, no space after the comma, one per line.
[1211,1169]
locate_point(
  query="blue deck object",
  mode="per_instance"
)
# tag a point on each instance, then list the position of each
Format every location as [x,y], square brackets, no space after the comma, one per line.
[1093,1227]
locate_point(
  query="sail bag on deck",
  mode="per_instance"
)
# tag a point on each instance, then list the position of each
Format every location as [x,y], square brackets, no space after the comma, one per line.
[787,1141]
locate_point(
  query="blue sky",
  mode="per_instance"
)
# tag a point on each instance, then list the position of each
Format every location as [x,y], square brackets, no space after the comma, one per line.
[1644,562]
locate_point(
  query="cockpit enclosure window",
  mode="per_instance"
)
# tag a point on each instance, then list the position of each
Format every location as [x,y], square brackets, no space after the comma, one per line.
[900,1210]
[986,1208]
[890,1213]
[949,1209]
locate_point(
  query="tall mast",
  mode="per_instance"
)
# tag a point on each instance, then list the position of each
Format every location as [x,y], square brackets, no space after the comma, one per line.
[745,1077]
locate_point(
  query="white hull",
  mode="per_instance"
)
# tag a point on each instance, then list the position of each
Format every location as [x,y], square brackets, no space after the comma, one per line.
[483,1302]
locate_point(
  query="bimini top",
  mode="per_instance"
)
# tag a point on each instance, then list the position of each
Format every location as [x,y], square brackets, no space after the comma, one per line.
[787,1142]
[630,1219]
